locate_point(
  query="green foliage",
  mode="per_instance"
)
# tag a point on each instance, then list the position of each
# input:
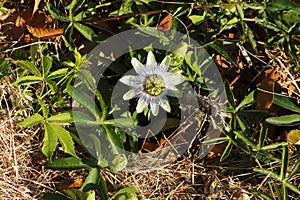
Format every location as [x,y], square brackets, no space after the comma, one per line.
[52,78]
[74,21]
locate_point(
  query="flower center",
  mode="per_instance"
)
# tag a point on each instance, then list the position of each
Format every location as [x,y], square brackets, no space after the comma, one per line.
[154,85]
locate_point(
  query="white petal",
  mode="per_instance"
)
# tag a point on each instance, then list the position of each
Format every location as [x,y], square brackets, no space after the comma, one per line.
[150,59]
[130,80]
[129,95]
[165,105]
[173,79]
[138,67]
[154,108]
[141,105]
[166,61]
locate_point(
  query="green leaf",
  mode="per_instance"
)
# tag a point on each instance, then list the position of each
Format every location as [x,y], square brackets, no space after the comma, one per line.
[284,162]
[286,120]
[82,119]
[197,19]
[54,132]
[242,123]
[73,193]
[179,51]
[94,181]
[27,80]
[27,65]
[267,172]
[49,142]
[129,193]
[4,68]
[125,122]
[215,140]
[32,120]
[118,163]
[229,95]
[125,7]
[51,196]
[90,195]
[73,6]
[56,13]
[61,117]
[223,52]
[114,140]
[245,139]
[68,37]
[227,151]
[274,146]
[88,79]
[58,73]
[52,85]
[33,52]
[261,194]
[247,101]
[71,163]
[87,101]
[240,11]
[249,34]
[262,135]
[97,146]
[252,114]
[46,65]
[87,32]
[286,102]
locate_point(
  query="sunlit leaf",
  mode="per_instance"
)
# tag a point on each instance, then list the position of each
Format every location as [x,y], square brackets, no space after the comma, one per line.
[197,19]
[32,120]
[87,32]
[27,80]
[58,73]
[71,163]
[129,193]
[61,117]
[286,102]
[54,133]
[286,120]
[27,65]
[56,13]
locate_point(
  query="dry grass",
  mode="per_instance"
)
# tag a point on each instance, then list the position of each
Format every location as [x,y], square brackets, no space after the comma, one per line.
[188,179]
[21,173]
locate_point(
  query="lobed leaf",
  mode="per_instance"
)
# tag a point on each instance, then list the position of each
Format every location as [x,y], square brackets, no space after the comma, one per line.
[32,120]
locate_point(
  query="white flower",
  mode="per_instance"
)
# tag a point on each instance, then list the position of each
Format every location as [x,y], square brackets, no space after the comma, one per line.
[153,83]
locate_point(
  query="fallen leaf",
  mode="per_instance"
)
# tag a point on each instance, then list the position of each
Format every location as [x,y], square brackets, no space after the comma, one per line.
[45,33]
[76,184]
[166,23]
[264,98]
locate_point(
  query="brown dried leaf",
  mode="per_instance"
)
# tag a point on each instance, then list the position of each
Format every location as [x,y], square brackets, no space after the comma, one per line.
[45,33]
[76,184]
[264,100]
[166,23]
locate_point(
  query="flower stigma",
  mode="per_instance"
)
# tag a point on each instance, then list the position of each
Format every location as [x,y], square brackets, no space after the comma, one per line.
[154,85]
